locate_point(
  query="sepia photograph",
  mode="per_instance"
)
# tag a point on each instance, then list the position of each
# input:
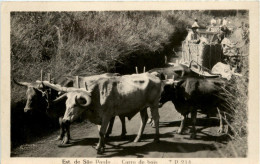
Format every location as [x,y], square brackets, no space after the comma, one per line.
[131,84]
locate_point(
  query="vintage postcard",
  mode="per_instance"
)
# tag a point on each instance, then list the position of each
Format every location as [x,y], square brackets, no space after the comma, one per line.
[129,82]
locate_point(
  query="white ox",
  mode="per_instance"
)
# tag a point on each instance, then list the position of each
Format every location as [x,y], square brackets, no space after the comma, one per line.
[115,96]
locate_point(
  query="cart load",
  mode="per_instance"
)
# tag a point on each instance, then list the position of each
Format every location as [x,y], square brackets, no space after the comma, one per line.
[205,54]
[211,36]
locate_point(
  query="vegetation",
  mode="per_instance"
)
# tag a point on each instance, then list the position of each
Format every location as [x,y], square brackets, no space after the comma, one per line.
[86,43]
[237,98]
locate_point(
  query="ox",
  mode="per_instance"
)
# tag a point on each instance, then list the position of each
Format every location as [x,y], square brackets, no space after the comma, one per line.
[40,97]
[109,97]
[190,92]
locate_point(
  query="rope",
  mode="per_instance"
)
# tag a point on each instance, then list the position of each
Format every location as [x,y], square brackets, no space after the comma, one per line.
[209,54]
[189,51]
[182,51]
[217,57]
[197,54]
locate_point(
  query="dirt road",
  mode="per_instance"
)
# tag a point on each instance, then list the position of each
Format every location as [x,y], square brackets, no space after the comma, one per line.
[85,136]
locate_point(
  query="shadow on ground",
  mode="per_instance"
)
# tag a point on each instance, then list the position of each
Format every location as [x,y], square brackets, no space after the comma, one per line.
[206,122]
[117,147]
[163,146]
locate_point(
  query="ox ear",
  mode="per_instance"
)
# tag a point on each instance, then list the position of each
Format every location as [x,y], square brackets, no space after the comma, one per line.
[171,81]
[177,83]
[87,90]
[159,75]
[41,86]
[168,82]
[86,86]
[39,90]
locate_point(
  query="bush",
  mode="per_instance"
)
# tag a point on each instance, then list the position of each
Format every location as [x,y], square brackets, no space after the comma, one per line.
[237,98]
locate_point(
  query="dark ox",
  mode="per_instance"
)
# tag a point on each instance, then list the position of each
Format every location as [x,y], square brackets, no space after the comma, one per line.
[40,98]
[109,97]
[190,92]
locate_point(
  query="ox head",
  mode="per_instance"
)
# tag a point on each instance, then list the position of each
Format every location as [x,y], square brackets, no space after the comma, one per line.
[77,100]
[169,91]
[37,95]
[169,86]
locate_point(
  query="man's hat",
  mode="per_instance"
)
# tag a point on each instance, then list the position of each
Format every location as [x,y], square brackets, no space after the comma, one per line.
[194,26]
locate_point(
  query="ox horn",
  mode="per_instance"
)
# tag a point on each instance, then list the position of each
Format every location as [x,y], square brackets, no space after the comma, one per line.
[87,98]
[60,98]
[21,83]
[55,87]
[60,88]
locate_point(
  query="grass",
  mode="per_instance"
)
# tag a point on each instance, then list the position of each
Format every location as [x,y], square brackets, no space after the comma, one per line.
[237,99]
[87,43]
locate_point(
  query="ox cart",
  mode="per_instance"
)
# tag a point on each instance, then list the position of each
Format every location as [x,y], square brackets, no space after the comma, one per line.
[217,28]
[209,52]
[206,53]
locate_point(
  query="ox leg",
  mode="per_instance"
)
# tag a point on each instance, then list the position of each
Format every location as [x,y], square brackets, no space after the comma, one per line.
[156,117]
[193,120]
[123,132]
[149,121]
[183,122]
[227,129]
[66,126]
[99,127]
[101,143]
[221,126]
[144,118]
[62,130]
[68,131]
[110,127]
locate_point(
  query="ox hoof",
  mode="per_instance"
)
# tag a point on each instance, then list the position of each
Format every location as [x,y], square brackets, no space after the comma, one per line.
[191,131]
[152,124]
[137,139]
[58,138]
[65,141]
[180,131]
[156,140]
[100,149]
[221,130]
[227,130]
[123,136]
[107,135]
[149,121]
[193,136]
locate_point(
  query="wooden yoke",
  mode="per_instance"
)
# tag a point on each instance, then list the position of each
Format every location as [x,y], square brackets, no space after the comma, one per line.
[41,75]
[77,81]
[49,77]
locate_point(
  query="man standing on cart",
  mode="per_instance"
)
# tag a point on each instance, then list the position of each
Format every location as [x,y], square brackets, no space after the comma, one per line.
[213,22]
[193,36]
